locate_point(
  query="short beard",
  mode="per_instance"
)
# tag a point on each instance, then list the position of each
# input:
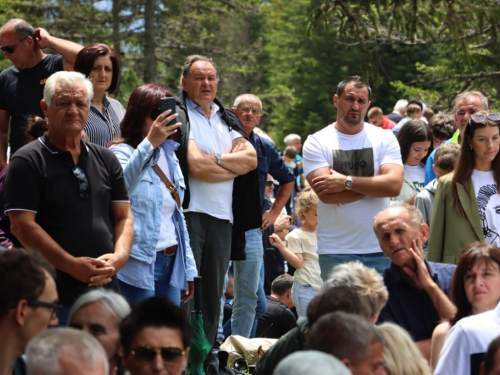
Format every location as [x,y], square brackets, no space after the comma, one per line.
[350,123]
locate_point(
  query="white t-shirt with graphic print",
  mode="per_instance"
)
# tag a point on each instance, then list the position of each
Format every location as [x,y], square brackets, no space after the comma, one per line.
[347,228]
[417,175]
[488,203]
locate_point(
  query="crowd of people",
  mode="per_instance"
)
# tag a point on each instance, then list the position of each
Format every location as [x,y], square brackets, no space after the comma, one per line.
[371,249]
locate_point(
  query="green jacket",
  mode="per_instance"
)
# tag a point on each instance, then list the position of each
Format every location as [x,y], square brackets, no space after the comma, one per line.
[449,231]
[293,341]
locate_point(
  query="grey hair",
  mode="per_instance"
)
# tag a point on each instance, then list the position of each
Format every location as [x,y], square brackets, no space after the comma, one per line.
[111,301]
[345,336]
[366,282]
[44,351]
[401,104]
[466,94]
[66,78]
[416,216]
[291,137]
[311,362]
[186,68]
[248,97]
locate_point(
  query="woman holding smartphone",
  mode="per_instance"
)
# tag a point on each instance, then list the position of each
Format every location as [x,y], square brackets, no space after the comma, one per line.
[161,262]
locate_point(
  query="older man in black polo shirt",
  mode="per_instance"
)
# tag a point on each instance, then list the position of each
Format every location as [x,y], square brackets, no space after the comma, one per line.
[417,289]
[67,198]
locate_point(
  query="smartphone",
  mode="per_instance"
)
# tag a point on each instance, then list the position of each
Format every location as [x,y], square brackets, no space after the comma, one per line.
[166,104]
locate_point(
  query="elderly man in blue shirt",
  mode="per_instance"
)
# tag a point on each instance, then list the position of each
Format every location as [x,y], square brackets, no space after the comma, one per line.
[418,289]
[250,300]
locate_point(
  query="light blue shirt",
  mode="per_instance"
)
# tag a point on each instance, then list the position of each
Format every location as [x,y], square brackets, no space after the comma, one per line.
[146,198]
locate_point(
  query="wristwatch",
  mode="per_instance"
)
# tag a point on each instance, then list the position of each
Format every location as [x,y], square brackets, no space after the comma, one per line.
[348,183]
[218,158]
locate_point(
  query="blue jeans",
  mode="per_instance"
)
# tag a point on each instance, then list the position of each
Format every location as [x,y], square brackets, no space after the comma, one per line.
[301,296]
[163,272]
[375,260]
[247,275]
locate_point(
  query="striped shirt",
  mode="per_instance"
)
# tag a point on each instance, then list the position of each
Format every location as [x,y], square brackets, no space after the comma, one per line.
[99,125]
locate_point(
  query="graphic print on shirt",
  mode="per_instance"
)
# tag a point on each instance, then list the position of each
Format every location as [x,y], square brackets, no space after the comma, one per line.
[354,162]
[488,202]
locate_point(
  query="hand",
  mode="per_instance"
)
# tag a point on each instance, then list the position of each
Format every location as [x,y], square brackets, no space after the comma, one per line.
[114,260]
[420,275]
[268,218]
[42,38]
[282,222]
[241,146]
[329,184]
[275,240]
[159,131]
[186,295]
[85,268]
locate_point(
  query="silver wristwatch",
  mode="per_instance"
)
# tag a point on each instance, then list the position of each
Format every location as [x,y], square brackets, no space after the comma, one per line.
[218,159]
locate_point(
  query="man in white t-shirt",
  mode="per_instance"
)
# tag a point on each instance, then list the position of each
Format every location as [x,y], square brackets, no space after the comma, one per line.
[354,168]
[213,151]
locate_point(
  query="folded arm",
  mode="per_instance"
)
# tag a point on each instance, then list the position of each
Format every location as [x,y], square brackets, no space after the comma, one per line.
[322,182]
[242,159]
[204,167]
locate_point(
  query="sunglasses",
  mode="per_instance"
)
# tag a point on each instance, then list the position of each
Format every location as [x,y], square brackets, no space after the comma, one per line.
[54,306]
[481,118]
[11,49]
[83,183]
[269,183]
[147,354]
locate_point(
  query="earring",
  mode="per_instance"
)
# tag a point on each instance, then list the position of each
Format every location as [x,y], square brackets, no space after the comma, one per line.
[471,147]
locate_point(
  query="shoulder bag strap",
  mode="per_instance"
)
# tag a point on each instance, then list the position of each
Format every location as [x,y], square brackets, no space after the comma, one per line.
[170,186]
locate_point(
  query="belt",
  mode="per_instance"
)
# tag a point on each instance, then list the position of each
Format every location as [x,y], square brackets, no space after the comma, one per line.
[169,250]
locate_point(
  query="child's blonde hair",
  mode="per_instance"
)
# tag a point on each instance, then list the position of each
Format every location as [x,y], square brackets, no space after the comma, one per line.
[307,200]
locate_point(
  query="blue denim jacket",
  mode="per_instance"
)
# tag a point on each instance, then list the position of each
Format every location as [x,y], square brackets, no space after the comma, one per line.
[146,197]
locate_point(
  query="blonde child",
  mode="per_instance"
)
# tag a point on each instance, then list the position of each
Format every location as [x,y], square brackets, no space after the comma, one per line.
[301,251]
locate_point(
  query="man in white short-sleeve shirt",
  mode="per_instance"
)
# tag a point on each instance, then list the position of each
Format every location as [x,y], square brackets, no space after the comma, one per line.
[214,151]
[354,168]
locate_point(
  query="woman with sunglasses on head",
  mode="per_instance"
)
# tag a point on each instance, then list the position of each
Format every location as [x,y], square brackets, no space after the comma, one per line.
[467,202]
[161,262]
[101,65]
[475,289]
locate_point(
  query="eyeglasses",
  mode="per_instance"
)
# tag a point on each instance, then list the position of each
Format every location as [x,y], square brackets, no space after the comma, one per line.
[481,118]
[255,112]
[147,354]
[269,183]
[11,49]
[83,183]
[54,306]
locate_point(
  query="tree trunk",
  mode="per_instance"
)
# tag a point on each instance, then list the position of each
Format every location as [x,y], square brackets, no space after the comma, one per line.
[116,32]
[149,41]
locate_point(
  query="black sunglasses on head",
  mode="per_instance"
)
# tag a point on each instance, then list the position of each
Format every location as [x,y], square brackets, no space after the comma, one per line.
[148,353]
[83,183]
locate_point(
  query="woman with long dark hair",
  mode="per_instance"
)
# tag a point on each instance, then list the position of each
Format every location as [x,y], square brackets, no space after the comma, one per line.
[415,141]
[475,288]
[101,65]
[467,202]
[161,262]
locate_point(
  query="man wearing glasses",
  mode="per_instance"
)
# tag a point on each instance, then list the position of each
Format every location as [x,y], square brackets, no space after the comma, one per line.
[28,304]
[249,297]
[22,84]
[67,199]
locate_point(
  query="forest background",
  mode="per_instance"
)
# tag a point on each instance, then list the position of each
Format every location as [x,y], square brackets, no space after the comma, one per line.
[291,53]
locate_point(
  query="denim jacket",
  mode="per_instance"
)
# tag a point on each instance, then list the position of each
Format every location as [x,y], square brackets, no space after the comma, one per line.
[146,197]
